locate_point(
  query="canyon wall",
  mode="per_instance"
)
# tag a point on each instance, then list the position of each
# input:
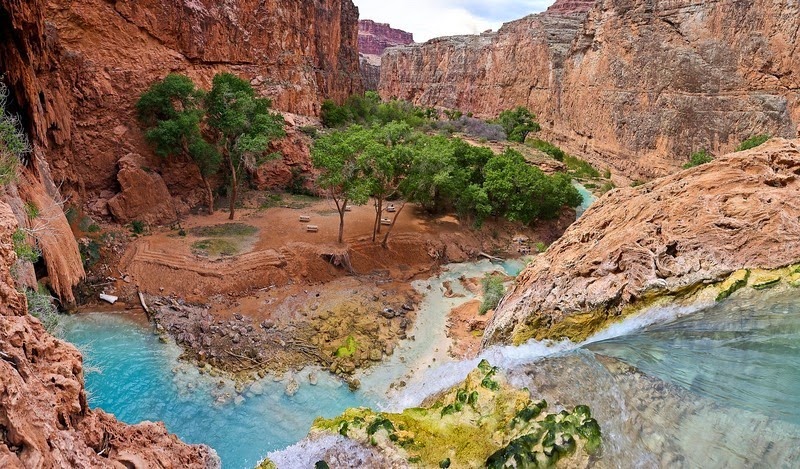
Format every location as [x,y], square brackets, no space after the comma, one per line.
[45,420]
[693,237]
[373,39]
[636,85]
[76,69]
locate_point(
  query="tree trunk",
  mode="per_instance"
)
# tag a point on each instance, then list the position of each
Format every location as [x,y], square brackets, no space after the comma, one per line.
[376,228]
[234,188]
[209,195]
[385,242]
[342,209]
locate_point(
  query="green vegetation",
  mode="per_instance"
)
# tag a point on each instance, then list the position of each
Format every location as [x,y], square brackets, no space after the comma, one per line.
[753,142]
[368,110]
[14,144]
[580,169]
[348,349]
[215,247]
[24,250]
[518,123]
[41,305]
[699,158]
[493,291]
[224,230]
[229,126]
[439,173]
[138,227]
[546,147]
[480,422]
[541,247]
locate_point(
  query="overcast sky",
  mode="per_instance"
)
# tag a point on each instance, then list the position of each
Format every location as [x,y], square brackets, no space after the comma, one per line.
[433,18]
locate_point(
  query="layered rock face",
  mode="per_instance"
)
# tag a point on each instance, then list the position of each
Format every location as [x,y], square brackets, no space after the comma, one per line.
[373,39]
[633,85]
[667,238]
[45,420]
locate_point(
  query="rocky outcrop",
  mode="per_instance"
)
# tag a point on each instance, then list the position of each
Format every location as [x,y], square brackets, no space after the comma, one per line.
[712,225]
[45,420]
[634,85]
[373,39]
[151,206]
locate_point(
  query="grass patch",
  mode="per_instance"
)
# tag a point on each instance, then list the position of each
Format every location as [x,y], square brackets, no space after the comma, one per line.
[578,168]
[493,291]
[215,247]
[548,148]
[225,230]
[753,142]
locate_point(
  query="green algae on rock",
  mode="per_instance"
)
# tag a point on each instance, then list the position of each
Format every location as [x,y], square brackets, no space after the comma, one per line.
[482,422]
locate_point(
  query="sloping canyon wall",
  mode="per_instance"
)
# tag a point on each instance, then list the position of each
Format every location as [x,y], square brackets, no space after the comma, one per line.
[45,420]
[373,39]
[637,85]
[76,69]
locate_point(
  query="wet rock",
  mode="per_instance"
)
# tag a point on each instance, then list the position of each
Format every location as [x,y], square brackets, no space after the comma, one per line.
[292,387]
[375,355]
[312,379]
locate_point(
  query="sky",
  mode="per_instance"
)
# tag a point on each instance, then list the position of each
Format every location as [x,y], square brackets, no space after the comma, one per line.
[433,18]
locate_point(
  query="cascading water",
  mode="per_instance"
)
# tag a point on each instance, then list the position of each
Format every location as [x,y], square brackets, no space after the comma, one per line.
[674,387]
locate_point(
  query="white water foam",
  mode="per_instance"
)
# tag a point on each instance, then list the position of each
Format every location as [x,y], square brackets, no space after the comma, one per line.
[509,357]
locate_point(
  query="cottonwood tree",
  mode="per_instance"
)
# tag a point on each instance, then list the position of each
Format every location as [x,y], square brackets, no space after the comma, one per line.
[386,161]
[172,111]
[243,125]
[337,156]
[518,123]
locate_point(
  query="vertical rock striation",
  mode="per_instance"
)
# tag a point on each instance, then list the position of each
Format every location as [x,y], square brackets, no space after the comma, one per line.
[635,85]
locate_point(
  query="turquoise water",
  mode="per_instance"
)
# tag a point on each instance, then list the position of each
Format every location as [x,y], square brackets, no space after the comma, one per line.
[743,353]
[588,199]
[131,374]
[716,388]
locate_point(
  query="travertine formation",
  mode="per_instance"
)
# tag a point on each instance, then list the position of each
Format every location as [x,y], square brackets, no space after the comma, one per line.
[667,238]
[632,85]
[373,39]
[45,420]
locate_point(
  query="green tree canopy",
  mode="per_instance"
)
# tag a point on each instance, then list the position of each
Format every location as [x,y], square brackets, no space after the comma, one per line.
[518,123]
[172,112]
[337,156]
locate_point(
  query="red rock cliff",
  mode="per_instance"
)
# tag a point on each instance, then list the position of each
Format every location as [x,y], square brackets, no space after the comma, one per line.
[373,39]
[44,417]
[95,57]
[635,85]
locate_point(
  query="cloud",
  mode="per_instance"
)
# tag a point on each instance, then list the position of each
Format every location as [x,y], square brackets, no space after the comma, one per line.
[433,18]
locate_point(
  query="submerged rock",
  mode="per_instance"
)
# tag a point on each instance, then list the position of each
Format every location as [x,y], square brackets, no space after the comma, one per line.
[669,239]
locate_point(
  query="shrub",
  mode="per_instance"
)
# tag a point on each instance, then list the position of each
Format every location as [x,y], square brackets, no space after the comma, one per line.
[753,142]
[579,168]
[541,247]
[41,305]
[699,158]
[309,130]
[518,123]
[493,291]
[23,250]
[475,128]
[14,144]
[546,147]
[31,210]
[137,227]
[90,252]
